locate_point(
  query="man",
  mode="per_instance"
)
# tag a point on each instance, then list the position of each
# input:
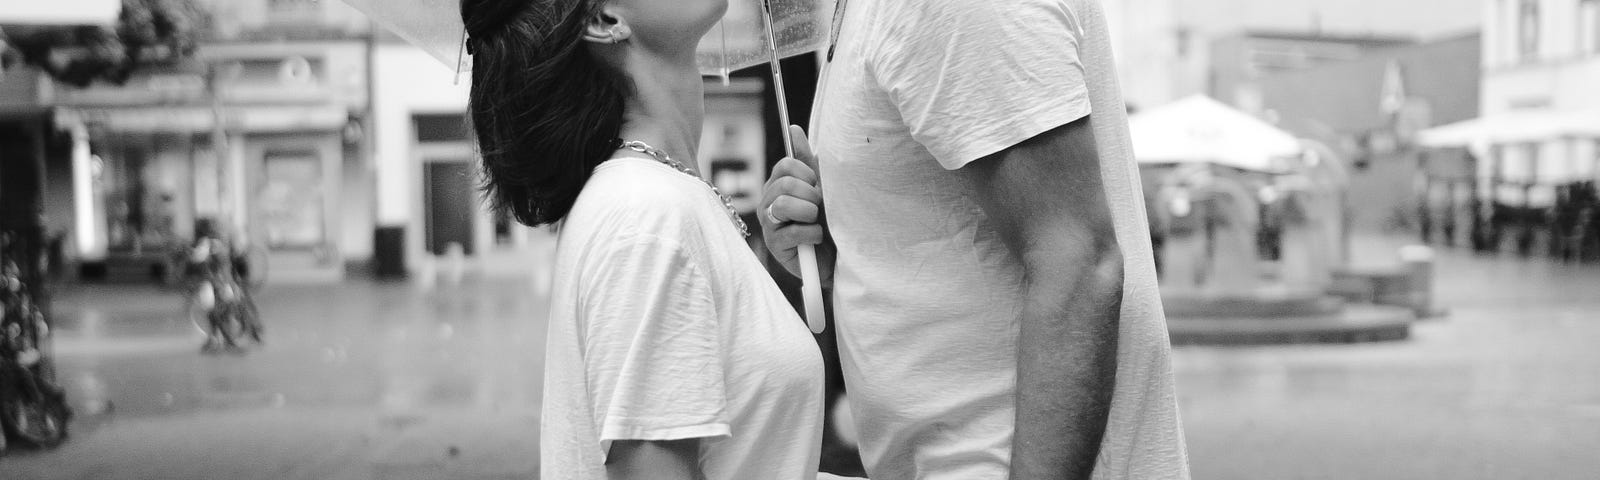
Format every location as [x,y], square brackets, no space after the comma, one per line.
[996,302]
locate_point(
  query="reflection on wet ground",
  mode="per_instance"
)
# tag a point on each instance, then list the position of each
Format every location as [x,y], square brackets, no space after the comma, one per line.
[350,345]
[367,368]
[368,381]
[1506,386]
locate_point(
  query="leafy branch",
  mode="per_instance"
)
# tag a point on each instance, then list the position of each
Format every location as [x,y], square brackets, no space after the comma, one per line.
[147,32]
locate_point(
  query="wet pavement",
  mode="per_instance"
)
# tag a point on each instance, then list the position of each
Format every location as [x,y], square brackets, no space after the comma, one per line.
[1507,385]
[356,381]
[381,381]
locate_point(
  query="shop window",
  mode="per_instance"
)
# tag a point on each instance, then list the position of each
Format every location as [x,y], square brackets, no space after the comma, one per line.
[1528,30]
[291,200]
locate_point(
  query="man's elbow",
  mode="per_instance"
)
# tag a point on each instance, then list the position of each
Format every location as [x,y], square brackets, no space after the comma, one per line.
[1105,276]
[1107,265]
[1078,266]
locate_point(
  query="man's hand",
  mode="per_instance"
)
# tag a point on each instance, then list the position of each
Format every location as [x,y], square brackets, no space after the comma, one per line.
[1046,198]
[791,210]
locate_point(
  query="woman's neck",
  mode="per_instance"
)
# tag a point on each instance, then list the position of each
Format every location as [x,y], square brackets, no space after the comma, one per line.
[667,107]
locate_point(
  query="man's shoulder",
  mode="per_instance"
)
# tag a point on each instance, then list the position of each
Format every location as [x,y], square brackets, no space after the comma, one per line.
[959,9]
[968,23]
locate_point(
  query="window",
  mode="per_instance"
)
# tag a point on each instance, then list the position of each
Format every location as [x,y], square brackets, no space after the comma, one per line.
[1589,27]
[1528,30]
[293,12]
[1183,36]
[291,6]
[441,127]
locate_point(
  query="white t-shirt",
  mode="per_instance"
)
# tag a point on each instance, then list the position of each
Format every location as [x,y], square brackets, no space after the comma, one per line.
[928,297]
[664,326]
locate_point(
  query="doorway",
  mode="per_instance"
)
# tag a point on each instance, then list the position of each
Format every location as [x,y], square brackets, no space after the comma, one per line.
[448,202]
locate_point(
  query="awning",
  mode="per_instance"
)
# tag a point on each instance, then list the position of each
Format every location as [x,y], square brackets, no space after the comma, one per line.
[1198,129]
[191,119]
[60,12]
[1514,127]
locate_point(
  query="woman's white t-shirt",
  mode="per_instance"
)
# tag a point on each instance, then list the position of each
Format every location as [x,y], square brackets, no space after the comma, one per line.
[664,326]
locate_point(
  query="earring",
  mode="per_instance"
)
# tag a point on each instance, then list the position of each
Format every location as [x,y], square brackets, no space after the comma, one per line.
[616,34]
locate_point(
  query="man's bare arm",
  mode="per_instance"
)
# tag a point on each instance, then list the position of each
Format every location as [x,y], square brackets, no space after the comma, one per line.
[1048,200]
[654,460]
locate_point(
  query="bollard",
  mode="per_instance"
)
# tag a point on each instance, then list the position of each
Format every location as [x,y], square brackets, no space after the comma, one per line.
[455,263]
[426,275]
[1418,263]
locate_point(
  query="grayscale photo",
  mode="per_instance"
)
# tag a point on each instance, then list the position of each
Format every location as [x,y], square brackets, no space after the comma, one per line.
[799,239]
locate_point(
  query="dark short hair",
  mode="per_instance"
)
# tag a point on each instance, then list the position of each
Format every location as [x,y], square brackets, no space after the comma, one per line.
[544,109]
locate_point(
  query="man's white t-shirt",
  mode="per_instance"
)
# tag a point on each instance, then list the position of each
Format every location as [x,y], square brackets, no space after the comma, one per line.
[664,326]
[928,297]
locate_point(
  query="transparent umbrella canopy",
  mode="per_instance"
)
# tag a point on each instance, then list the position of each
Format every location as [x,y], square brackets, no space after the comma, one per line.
[753,32]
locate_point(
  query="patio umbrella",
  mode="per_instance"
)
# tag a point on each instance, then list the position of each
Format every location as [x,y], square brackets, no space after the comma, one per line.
[753,32]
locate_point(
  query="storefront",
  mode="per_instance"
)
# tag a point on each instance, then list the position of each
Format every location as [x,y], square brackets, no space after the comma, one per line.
[431,220]
[255,140]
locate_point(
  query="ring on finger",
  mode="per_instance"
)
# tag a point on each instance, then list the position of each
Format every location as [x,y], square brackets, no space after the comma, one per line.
[772,217]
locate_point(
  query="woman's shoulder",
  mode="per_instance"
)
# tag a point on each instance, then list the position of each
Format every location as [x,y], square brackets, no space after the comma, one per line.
[640,185]
[636,194]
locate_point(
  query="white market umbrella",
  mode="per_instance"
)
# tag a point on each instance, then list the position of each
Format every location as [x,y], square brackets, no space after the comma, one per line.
[753,32]
[1514,127]
[1199,129]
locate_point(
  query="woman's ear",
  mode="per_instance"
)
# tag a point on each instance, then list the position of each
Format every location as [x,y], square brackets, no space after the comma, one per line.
[605,26]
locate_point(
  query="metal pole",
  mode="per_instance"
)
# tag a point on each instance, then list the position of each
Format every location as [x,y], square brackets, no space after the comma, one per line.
[219,148]
[777,78]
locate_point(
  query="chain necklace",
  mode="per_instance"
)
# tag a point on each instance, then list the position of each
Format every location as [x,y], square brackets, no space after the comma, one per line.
[662,157]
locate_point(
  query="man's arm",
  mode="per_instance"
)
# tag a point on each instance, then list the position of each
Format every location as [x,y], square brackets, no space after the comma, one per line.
[1047,199]
[654,460]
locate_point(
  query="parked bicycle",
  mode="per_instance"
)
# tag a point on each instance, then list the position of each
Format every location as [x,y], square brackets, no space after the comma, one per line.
[33,409]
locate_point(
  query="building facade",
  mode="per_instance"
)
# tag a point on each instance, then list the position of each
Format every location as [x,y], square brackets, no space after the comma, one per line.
[430,218]
[257,137]
[1540,126]
[1165,48]
[1369,111]
[1537,142]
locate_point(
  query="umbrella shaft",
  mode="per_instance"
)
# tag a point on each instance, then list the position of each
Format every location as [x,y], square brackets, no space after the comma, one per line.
[777,79]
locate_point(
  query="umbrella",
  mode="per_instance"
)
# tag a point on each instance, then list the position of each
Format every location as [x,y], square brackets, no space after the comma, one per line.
[752,33]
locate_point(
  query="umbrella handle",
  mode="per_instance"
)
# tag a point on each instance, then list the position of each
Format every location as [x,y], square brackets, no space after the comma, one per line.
[811,289]
[816,317]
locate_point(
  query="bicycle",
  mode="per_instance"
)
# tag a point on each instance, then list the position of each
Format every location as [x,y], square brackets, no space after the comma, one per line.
[219,302]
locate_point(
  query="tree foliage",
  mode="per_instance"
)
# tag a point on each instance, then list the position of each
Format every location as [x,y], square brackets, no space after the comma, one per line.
[147,32]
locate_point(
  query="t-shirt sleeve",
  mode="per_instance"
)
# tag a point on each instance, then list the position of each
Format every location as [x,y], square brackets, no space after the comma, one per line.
[973,78]
[653,345]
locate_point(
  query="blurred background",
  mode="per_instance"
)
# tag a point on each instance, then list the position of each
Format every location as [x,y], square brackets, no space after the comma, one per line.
[243,239]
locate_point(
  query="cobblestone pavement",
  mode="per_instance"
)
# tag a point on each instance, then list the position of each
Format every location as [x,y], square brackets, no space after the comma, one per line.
[386,381]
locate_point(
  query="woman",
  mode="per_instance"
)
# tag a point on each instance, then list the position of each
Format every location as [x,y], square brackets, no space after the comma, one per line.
[671,353]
